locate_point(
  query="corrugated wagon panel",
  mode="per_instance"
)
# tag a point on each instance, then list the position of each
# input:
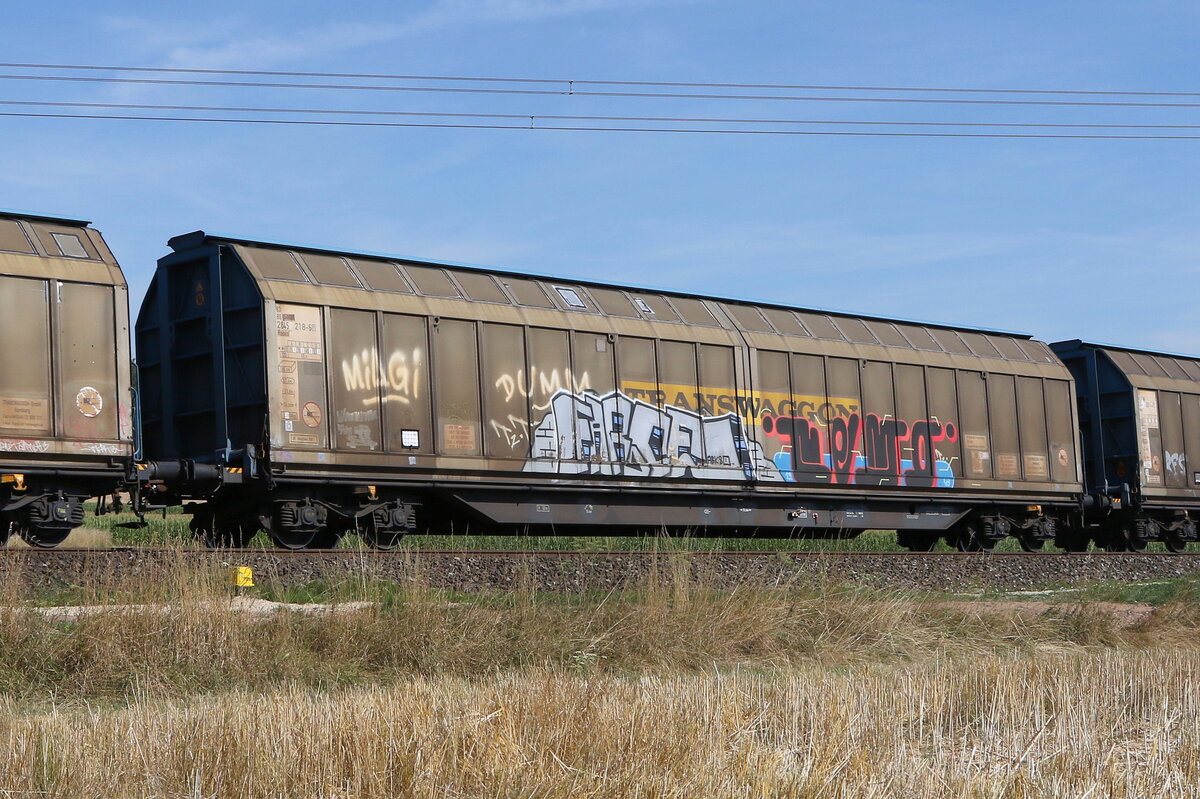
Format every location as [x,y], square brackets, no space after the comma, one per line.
[456,388]
[87,366]
[354,381]
[408,398]
[1190,407]
[25,406]
[505,392]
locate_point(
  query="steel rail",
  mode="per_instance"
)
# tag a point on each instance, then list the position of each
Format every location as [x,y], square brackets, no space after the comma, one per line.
[537,553]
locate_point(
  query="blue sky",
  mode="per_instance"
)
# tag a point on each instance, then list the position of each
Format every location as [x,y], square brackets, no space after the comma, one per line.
[1060,238]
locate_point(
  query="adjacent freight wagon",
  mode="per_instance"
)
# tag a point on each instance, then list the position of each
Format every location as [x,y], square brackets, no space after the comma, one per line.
[1140,424]
[314,392]
[66,424]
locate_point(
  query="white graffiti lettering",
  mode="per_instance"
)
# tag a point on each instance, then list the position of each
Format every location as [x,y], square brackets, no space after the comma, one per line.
[546,383]
[512,430]
[23,445]
[100,448]
[614,434]
[1176,464]
[400,375]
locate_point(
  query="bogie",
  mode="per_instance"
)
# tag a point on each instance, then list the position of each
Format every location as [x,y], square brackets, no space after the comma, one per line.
[45,521]
[384,527]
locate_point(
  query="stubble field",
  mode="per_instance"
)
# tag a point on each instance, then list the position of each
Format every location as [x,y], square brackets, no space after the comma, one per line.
[671,690]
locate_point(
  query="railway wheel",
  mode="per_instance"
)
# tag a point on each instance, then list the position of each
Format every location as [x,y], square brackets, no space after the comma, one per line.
[967,536]
[1125,539]
[325,539]
[977,543]
[201,525]
[41,537]
[47,521]
[1174,543]
[293,539]
[1138,535]
[385,540]
[1030,543]
[217,533]
[911,540]
[231,535]
[385,527]
[1072,542]
[299,525]
[1177,540]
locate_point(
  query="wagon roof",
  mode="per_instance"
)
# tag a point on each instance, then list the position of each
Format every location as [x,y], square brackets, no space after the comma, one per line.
[1099,345]
[40,245]
[62,220]
[1143,368]
[196,238]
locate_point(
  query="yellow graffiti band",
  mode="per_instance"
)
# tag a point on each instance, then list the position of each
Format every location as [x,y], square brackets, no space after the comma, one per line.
[750,406]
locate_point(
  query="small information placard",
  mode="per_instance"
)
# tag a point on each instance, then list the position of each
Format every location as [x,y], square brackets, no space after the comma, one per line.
[459,437]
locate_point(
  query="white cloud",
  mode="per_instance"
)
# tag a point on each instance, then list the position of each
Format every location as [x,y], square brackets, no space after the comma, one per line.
[223,44]
[266,51]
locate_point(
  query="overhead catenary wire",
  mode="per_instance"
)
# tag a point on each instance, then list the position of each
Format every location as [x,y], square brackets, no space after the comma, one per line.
[588,118]
[587,82]
[570,91]
[607,129]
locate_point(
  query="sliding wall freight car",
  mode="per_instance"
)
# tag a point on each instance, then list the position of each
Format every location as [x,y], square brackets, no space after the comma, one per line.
[66,423]
[311,392]
[1140,424]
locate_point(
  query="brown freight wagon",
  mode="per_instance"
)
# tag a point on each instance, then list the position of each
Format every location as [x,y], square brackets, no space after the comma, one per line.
[66,423]
[321,392]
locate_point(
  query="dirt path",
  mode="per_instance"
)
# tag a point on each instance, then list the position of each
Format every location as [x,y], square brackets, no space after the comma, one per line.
[1125,614]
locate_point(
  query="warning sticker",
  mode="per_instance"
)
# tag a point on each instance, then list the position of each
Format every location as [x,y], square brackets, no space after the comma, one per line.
[311,414]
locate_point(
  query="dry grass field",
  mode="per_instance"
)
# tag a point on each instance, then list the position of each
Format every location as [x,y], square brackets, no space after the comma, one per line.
[675,691]
[1067,724]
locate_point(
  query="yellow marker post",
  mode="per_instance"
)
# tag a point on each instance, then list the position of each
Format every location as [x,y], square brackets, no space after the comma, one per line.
[241,578]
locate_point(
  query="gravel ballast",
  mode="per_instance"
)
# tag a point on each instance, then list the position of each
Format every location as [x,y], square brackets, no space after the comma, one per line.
[28,571]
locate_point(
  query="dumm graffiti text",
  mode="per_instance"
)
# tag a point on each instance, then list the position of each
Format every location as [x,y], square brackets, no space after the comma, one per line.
[855,450]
